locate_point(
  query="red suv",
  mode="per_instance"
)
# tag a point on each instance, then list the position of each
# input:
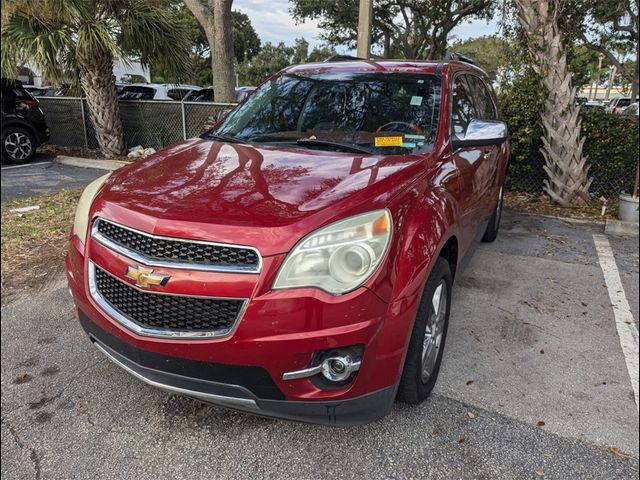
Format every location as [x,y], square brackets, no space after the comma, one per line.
[297,261]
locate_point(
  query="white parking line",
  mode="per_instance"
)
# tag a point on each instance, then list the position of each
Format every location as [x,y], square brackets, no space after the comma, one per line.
[625,324]
[25,165]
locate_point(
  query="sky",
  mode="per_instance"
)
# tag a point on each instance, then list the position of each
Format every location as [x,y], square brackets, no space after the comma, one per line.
[274,24]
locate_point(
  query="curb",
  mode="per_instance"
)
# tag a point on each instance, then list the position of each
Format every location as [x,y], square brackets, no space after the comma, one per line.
[90,162]
[618,227]
[557,217]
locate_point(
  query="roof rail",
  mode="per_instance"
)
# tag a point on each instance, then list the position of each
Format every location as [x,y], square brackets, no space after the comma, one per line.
[457,57]
[342,58]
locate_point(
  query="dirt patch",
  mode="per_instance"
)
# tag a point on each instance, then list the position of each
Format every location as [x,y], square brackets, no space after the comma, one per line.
[540,204]
[34,242]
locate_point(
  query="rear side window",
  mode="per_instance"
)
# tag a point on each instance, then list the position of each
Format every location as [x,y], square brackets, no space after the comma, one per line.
[13,90]
[137,93]
[463,109]
[482,99]
[177,93]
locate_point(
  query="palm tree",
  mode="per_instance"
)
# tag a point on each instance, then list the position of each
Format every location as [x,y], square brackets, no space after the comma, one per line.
[566,167]
[83,37]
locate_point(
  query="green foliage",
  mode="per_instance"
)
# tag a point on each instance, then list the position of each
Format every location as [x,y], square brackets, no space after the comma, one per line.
[521,103]
[490,52]
[611,141]
[53,33]
[414,29]
[246,44]
[273,58]
[612,148]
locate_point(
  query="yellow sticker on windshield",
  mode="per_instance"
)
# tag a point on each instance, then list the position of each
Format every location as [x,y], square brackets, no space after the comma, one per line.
[388,141]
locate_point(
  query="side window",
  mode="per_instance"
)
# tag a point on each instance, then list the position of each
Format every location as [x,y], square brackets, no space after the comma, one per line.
[176,93]
[463,109]
[482,98]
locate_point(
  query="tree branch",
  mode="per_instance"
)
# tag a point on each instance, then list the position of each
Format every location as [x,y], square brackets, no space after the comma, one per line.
[201,12]
[612,58]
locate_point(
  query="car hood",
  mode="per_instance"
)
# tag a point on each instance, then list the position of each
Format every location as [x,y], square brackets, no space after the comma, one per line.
[267,197]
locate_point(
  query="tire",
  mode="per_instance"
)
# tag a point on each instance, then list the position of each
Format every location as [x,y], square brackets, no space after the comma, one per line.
[491,233]
[415,385]
[18,145]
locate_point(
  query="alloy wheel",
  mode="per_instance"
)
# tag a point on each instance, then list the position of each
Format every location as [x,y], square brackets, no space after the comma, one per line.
[434,330]
[18,145]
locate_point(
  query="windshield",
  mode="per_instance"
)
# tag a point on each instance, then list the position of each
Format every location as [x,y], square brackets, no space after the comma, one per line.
[384,113]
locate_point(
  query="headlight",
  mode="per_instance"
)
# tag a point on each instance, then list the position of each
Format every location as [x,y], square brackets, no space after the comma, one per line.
[340,257]
[81,221]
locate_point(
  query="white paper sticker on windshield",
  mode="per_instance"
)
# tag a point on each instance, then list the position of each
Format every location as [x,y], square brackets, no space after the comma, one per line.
[416,101]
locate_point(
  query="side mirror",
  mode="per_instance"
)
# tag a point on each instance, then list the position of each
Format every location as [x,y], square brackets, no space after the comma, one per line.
[481,133]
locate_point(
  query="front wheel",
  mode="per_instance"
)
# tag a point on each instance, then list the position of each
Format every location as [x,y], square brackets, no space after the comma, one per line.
[18,145]
[426,345]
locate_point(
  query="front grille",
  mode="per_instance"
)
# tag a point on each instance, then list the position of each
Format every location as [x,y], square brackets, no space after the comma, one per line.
[179,251]
[165,312]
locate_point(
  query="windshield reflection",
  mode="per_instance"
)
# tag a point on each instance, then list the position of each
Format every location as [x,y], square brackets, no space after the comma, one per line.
[381,113]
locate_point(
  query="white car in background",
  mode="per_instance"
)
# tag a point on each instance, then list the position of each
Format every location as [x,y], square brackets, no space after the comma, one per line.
[617,104]
[631,110]
[156,91]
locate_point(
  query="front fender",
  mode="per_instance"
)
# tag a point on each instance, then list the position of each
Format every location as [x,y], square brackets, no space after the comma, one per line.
[424,219]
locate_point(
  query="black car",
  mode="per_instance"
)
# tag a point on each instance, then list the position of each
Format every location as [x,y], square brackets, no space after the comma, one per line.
[23,125]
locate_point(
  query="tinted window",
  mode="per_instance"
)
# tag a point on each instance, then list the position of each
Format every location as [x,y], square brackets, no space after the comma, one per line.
[177,93]
[481,98]
[11,89]
[137,93]
[204,95]
[463,109]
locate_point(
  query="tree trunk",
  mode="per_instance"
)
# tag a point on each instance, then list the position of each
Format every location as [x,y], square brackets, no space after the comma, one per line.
[567,170]
[98,82]
[634,82]
[224,79]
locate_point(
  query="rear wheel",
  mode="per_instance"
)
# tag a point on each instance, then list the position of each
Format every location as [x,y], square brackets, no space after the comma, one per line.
[426,345]
[491,233]
[18,145]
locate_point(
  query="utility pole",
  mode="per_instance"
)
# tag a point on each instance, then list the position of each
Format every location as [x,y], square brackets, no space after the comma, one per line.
[612,77]
[595,94]
[364,28]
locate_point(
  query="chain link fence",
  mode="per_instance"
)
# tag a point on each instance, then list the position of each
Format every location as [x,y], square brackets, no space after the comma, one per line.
[146,122]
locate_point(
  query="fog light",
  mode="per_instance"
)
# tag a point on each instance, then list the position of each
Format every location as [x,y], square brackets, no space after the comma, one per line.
[338,369]
[330,367]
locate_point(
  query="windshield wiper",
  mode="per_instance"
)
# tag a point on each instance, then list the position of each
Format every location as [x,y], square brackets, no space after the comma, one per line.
[226,138]
[313,142]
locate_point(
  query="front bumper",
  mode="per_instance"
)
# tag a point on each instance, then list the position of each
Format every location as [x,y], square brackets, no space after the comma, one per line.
[353,411]
[279,332]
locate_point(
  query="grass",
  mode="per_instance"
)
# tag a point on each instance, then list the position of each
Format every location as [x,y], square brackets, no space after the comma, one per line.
[34,243]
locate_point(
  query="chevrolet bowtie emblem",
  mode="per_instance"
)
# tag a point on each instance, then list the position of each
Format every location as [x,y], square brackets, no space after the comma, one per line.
[144,277]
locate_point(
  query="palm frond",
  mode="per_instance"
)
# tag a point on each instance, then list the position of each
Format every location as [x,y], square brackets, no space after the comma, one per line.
[43,42]
[155,36]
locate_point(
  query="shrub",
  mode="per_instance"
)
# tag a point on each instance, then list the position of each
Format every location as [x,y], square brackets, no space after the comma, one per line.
[611,142]
[612,147]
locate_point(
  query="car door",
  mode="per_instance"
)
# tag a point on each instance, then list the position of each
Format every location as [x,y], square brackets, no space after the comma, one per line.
[467,160]
[487,166]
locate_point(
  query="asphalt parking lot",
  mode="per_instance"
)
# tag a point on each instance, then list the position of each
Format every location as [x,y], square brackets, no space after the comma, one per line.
[535,384]
[43,176]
